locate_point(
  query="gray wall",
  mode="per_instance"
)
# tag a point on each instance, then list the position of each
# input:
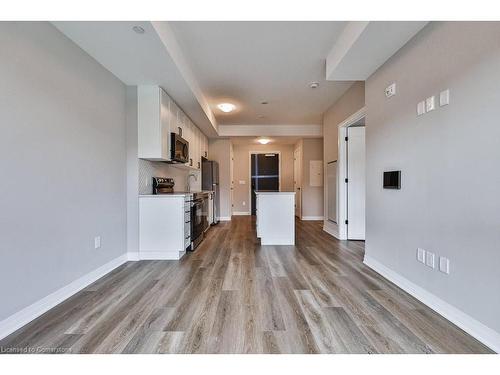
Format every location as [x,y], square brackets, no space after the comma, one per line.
[62,163]
[450,197]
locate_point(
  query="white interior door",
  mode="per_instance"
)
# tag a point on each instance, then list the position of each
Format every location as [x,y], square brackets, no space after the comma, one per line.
[297,178]
[356,183]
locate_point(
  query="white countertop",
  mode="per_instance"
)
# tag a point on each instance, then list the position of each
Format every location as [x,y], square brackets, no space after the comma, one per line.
[174,194]
[170,195]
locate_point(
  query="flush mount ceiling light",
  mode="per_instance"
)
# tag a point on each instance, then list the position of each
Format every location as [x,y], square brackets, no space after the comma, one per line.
[138,29]
[263,141]
[226,107]
[314,85]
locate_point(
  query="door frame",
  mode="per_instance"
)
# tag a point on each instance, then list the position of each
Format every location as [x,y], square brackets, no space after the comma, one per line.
[250,174]
[339,229]
[298,147]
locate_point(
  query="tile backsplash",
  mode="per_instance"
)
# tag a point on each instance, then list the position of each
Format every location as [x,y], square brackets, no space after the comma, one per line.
[149,169]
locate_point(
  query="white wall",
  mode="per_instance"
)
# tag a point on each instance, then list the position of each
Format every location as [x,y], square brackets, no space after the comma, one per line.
[62,163]
[449,202]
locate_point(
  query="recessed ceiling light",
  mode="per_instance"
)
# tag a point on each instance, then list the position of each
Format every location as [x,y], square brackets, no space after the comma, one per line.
[263,141]
[314,85]
[226,107]
[138,29]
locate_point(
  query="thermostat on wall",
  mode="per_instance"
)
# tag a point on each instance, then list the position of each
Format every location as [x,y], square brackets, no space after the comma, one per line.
[392,180]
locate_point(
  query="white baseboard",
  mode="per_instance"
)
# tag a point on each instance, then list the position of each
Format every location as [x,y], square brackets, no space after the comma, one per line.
[486,335]
[310,218]
[33,311]
[133,256]
[332,229]
[225,218]
[159,255]
[241,213]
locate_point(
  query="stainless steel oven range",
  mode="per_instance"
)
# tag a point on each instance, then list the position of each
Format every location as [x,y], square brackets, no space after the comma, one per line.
[199,218]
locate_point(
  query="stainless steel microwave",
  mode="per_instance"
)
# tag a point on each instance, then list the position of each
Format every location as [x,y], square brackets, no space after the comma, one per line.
[180,149]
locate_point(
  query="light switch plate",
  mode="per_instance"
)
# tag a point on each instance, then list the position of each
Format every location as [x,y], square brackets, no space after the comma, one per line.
[429,259]
[421,108]
[242,182]
[421,255]
[444,265]
[97,242]
[430,104]
[444,98]
[390,90]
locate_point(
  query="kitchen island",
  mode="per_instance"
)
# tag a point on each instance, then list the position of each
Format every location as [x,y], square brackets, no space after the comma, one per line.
[275,217]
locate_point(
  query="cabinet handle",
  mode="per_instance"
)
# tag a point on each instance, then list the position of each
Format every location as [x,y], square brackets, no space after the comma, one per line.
[198,165]
[190,162]
[180,131]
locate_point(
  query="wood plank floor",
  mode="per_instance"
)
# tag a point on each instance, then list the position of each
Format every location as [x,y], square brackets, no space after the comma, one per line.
[234,296]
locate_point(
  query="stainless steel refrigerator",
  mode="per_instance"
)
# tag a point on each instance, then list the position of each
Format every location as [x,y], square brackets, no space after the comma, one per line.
[210,182]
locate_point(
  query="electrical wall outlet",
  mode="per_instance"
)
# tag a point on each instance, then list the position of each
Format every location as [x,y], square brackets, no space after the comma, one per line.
[421,255]
[444,265]
[430,104]
[444,97]
[421,108]
[390,90]
[97,242]
[429,259]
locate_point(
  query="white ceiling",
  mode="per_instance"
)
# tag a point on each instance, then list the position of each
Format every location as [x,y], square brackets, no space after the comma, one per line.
[143,59]
[249,62]
[201,64]
[274,140]
[364,46]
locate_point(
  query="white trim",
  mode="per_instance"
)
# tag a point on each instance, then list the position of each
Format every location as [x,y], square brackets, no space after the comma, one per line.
[225,218]
[341,230]
[160,255]
[241,213]
[307,218]
[33,311]
[133,256]
[486,335]
[331,228]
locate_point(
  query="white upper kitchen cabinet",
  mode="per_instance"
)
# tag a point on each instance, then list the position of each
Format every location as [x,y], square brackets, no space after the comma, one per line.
[179,124]
[187,134]
[204,149]
[154,123]
[158,117]
[197,149]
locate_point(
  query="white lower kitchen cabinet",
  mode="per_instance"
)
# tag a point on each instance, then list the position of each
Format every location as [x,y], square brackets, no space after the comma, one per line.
[164,226]
[276,217]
